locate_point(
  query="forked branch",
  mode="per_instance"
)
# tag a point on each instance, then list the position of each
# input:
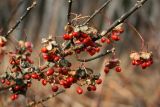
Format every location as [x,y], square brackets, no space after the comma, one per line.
[120,20]
[138,5]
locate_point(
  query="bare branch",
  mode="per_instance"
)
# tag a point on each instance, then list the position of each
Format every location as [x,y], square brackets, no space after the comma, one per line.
[69,11]
[45,99]
[96,12]
[21,18]
[138,5]
[15,10]
[98,56]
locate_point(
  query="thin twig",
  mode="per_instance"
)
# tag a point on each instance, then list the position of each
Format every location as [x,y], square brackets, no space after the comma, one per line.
[15,10]
[138,34]
[138,5]
[69,11]
[98,56]
[45,99]
[21,18]
[96,12]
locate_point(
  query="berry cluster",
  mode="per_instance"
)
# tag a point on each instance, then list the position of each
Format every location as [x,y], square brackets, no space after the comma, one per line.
[114,35]
[50,51]
[143,59]
[112,63]
[57,70]
[20,66]
[59,73]
[83,35]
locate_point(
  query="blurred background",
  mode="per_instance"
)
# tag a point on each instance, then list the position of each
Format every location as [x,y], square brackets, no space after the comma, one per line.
[133,87]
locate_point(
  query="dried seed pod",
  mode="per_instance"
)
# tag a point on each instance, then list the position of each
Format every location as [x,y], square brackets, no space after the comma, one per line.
[112,63]
[68,28]
[135,56]
[146,55]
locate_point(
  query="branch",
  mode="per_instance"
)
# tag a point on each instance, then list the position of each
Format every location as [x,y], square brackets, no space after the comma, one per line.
[69,11]
[98,56]
[21,18]
[45,99]
[15,10]
[138,5]
[90,18]
[96,12]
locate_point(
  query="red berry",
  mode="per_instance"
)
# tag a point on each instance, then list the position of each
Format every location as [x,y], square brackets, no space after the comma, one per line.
[45,56]
[103,39]
[55,88]
[115,37]
[14,96]
[12,62]
[99,81]
[84,35]
[91,52]
[44,82]
[97,49]
[67,37]
[134,62]
[27,76]
[50,72]
[138,62]
[61,82]
[35,76]
[2,81]
[8,82]
[86,40]
[75,34]
[17,87]
[79,90]
[56,58]
[69,80]
[148,63]
[108,41]
[144,65]
[118,69]
[93,88]
[106,70]
[44,50]
[65,83]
